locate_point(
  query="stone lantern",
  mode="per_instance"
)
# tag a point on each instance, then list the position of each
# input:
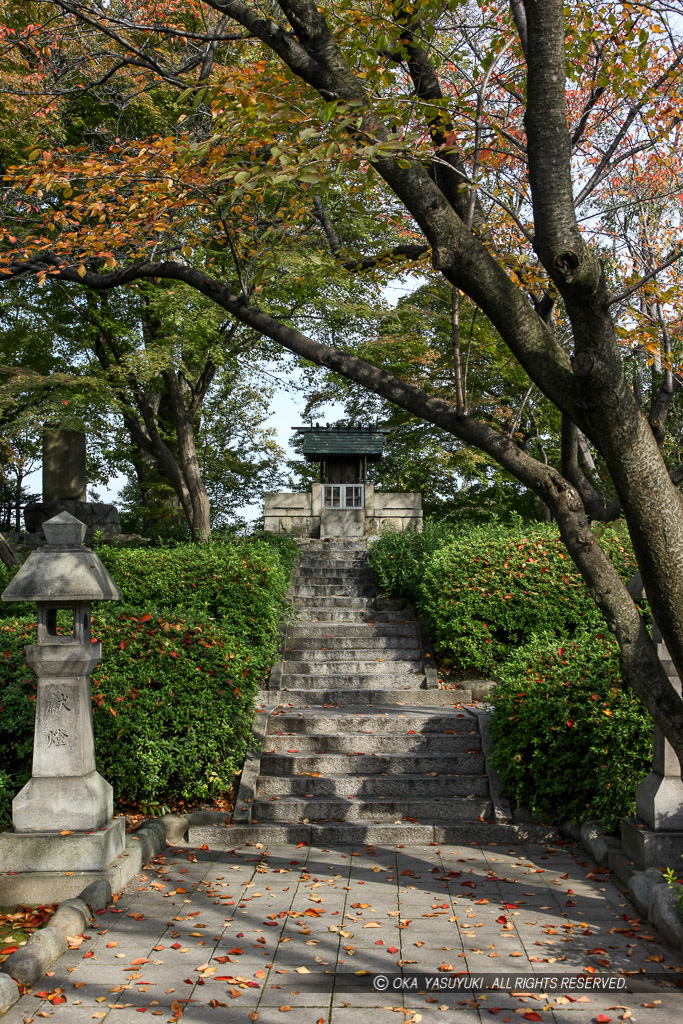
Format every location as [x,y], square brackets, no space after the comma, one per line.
[65,794]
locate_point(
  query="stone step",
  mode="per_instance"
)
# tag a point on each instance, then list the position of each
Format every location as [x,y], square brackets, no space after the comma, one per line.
[323,590]
[404,654]
[319,563]
[334,578]
[372,764]
[373,786]
[357,629]
[344,669]
[307,698]
[338,681]
[363,743]
[330,555]
[372,720]
[218,837]
[290,809]
[334,613]
[360,602]
[376,643]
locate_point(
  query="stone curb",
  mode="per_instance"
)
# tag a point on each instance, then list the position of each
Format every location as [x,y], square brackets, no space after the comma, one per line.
[44,946]
[73,916]
[251,770]
[647,889]
[502,811]
[428,660]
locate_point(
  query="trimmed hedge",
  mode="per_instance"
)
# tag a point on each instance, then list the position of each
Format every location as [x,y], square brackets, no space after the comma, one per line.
[484,591]
[507,602]
[570,741]
[182,660]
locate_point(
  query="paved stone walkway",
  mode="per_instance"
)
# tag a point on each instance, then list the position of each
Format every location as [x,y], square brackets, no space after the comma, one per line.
[248,935]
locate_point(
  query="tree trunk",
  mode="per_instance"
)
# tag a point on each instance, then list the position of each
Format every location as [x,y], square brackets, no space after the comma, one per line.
[7,555]
[184,422]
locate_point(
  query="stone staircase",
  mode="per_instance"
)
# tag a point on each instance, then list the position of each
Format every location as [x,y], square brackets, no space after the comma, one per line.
[358,741]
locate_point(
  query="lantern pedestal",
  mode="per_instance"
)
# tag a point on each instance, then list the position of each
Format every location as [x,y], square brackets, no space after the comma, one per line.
[78,851]
[65,791]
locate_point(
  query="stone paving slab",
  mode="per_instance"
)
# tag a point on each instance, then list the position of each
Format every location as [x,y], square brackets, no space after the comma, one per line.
[256,932]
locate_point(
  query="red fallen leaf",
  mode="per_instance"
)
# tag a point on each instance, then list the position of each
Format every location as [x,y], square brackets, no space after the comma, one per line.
[511,906]
[141,1009]
[214,1003]
[86,956]
[502,919]
[602,1018]
[122,645]
[570,722]
[532,1015]
[392,949]
[175,945]
[139,960]
[56,1000]
[472,885]
[236,951]
[173,654]
[9,949]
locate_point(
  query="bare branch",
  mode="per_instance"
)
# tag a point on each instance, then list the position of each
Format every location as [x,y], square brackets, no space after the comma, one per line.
[645,278]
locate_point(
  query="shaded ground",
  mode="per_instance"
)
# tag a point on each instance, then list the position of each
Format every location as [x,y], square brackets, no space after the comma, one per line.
[249,934]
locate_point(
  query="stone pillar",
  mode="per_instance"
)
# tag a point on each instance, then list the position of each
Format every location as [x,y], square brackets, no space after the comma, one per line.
[654,838]
[64,474]
[64,790]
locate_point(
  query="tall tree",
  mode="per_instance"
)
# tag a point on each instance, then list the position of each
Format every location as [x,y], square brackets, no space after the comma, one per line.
[489,140]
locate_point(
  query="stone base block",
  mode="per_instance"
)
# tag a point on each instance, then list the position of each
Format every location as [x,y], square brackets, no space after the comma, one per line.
[50,805]
[97,516]
[659,802]
[80,851]
[650,848]
[31,888]
[342,523]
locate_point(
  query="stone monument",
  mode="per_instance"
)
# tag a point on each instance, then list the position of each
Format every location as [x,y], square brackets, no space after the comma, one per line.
[64,488]
[63,817]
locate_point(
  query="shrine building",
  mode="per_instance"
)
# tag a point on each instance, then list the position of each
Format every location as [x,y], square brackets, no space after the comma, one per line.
[343,504]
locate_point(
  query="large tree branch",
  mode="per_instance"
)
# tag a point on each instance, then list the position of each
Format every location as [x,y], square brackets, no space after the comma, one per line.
[639,659]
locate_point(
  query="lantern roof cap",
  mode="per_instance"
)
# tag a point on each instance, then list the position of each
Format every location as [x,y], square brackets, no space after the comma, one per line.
[63,570]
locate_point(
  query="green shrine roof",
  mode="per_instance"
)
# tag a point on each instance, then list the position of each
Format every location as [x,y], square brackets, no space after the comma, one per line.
[322,442]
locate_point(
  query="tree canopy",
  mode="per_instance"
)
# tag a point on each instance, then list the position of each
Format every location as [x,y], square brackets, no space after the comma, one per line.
[304,153]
